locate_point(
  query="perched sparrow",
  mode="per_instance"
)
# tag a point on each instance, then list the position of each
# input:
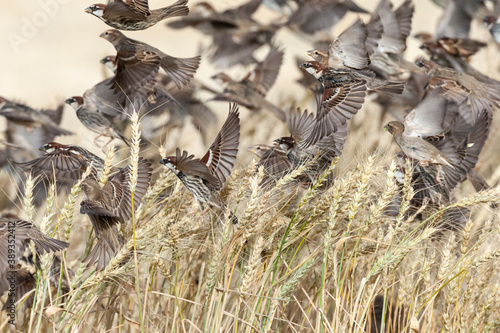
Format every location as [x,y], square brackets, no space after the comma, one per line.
[251,91]
[458,87]
[111,205]
[22,232]
[181,70]
[493,25]
[396,25]
[205,177]
[347,50]
[313,15]
[94,120]
[64,162]
[135,15]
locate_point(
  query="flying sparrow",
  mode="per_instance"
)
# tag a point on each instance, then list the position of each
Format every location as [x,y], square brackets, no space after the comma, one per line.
[205,177]
[251,91]
[65,162]
[314,15]
[96,121]
[135,14]
[21,232]
[347,50]
[459,87]
[396,25]
[111,205]
[181,70]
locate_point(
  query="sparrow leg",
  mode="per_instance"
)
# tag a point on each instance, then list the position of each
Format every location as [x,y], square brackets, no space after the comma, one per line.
[424,163]
[438,176]
[96,140]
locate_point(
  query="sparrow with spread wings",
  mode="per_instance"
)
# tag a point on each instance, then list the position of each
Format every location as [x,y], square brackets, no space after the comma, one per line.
[251,91]
[205,177]
[65,162]
[181,70]
[111,205]
[135,14]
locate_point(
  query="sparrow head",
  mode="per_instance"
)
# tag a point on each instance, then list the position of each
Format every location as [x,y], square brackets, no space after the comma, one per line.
[91,188]
[50,147]
[286,143]
[112,35]
[426,65]
[221,78]
[170,162]
[3,101]
[318,55]
[259,150]
[394,127]
[489,20]
[75,102]
[313,67]
[97,9]
[110,62]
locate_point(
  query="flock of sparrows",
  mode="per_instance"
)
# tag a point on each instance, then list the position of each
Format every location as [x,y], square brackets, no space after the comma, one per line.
[447,105]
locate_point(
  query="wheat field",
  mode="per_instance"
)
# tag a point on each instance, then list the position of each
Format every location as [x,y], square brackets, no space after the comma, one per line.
[312,260]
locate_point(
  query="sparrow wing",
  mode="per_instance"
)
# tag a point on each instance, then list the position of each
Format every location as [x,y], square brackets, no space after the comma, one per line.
[221,155]
[16,231]
[139,6]
[134,70]
[337,106]
[427,118]
[67,163]
[265,73]
[195,167]
[275,162]
[118,189]
[347,50]
[300,124]
[44,243]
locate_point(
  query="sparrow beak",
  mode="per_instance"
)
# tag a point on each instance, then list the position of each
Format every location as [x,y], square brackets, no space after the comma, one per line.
[42,148]
[310,53]
[303,65]
[69,100]
[103,35]
[163,161]
[386,128]
[419,64]
[88,10]
[252,149]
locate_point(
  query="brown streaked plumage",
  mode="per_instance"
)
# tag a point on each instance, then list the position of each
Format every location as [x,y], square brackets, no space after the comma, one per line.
[205,177]
[135,14]
[251,91]
[98,122]
[64,162]
[181,70]
[21,232]
[459,87]
[346,50]
[111,205]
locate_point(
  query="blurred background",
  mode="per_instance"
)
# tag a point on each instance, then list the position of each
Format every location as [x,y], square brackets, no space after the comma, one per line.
[50,50]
